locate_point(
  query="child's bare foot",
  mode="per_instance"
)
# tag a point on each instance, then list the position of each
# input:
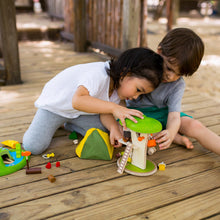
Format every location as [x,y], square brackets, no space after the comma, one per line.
[182,140]
[186,142]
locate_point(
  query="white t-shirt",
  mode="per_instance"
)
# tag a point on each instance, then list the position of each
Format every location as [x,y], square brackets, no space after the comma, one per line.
[57,94]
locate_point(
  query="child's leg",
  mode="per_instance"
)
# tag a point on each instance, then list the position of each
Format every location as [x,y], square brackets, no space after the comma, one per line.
[195,129]
[84,123]
[182,140]
[38,136]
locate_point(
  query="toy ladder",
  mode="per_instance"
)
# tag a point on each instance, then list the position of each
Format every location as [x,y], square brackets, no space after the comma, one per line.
[124,158]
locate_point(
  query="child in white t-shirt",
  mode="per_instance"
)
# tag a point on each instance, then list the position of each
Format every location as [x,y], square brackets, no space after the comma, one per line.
[77,94]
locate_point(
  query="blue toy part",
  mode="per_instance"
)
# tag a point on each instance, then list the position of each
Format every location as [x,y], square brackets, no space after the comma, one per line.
[17,164]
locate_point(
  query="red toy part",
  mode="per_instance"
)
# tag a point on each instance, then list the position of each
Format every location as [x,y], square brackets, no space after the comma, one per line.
[57,164]
[48,166]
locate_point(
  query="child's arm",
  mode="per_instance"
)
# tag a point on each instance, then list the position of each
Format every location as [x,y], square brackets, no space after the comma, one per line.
[82,101]
[165,137]
[112,125]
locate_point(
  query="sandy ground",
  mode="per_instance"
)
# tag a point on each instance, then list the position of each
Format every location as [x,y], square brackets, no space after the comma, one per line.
[206,80]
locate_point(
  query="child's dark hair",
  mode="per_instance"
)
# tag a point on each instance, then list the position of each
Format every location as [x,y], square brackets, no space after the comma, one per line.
[137,62]
[186,47]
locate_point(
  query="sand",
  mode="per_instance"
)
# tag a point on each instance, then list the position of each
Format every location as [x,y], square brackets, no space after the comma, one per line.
[206,80]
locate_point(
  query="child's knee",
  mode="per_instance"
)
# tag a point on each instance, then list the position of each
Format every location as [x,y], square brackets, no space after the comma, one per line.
[191,127]
[33,145]
[195,125]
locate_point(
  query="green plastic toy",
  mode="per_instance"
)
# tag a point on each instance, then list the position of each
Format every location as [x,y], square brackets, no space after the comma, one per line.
[9,162]
[146,125]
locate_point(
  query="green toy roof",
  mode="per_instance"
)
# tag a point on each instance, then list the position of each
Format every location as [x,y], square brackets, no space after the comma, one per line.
[146,125]
[5,151]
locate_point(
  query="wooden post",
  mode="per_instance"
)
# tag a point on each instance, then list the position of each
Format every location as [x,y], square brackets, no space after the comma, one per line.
[80,25]
[143,28]
[176,8]
[169,12]
[131,24]
[9,41]
[68,21]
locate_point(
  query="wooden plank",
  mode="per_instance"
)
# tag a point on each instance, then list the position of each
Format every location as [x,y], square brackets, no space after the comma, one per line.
[89,29]
[2,74]
[108,22]
[112,36]
[169,14]
[80,25]
[201,105]
[211,111]
[194,99]
[66,180]
[199,207]
[85,204]
[131,24]
[69,17]
[143,200]
[143,25]
[9,42]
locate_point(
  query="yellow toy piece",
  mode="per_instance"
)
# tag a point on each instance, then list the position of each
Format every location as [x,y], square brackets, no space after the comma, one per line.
[50,155]
[10,143]
[95,145]
[47,156]
[162,166]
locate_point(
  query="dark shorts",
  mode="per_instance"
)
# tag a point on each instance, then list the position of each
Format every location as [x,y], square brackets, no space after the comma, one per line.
[161,114]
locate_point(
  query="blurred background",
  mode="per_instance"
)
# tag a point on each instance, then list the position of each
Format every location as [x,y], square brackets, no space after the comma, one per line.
[110,26]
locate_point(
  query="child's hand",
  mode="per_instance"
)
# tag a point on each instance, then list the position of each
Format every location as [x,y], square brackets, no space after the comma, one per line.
[122,113]
[163,139]
[115,136]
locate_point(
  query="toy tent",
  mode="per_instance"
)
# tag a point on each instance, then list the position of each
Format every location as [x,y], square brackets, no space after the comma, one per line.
[95,145]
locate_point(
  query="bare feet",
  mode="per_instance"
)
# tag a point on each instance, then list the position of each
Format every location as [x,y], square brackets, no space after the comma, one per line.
[186,142]
[182,140]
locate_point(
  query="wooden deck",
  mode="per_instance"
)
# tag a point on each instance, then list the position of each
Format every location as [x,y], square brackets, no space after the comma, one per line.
[189,188]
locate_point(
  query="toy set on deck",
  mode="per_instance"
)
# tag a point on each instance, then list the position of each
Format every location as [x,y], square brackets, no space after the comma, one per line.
[96,145]
[138,140]
[14,159]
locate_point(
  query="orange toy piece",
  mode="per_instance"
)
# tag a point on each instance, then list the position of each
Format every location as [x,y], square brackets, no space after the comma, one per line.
[140,138]
[26,154]
[151,143]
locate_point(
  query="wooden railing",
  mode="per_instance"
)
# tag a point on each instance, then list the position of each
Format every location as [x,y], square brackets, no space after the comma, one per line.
[110,25]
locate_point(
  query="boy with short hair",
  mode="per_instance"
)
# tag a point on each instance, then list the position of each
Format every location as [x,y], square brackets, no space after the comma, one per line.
[182,50]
